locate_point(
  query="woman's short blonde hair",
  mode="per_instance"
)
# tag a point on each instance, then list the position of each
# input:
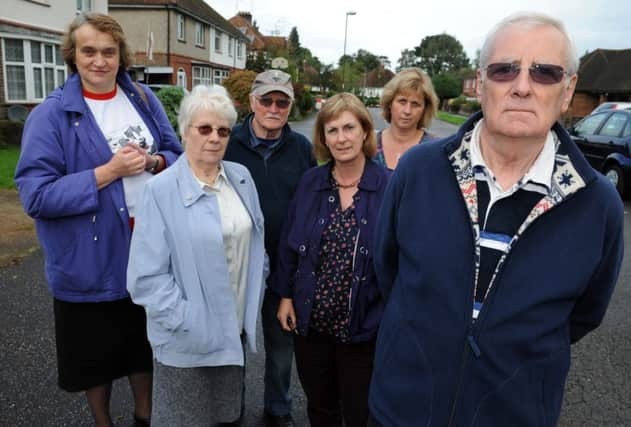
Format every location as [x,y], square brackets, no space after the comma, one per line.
[103,23]
[412,80]
[331,110]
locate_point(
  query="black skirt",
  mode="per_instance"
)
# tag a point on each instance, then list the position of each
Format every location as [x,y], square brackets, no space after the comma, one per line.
[100,342]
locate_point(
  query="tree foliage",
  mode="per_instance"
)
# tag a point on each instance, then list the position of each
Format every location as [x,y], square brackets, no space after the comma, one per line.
[408,59]
[238,86]
[441,53]
[171,97]
[446,86]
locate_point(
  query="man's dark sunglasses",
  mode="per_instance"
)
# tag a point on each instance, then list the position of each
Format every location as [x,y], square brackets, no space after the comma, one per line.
[208,129]
[280,103]
[546,74]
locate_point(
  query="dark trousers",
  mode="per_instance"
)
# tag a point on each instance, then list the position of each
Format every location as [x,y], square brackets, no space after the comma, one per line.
[335,378]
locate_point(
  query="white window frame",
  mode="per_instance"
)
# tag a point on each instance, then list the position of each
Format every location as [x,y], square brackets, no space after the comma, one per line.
[230,46]
[58,71]
[84,6]
[181,27]
[239,49]
[219,76]
[202,76]
[199,34]
[218,41]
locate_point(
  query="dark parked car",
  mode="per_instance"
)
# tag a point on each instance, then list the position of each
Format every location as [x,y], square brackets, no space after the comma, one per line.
[605,140]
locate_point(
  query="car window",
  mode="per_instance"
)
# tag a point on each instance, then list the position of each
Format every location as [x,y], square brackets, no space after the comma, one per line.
[627,130]
[614,125]
[589,124]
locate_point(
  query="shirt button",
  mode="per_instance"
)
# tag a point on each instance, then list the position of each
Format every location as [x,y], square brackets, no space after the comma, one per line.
[122,209]
[321,221]
[302,248]
[364,221]
[76,124]
[331,199]
[362,250]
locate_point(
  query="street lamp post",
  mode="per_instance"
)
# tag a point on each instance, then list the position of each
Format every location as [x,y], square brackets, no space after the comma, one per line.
[350,12]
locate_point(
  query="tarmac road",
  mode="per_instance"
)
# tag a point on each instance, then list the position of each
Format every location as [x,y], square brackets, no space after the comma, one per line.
[598,391]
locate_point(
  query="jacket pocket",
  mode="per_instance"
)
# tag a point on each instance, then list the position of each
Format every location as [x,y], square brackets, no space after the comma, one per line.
[200,332]
[402,378]
[531,397]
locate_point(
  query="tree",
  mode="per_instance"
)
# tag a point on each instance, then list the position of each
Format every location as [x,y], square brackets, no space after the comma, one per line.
[294,41]
[441,53]
[238,85]
[408,59]
[446,86]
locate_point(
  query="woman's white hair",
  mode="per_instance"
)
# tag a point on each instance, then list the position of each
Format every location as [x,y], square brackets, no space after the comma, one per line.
[528,20]
[211,99]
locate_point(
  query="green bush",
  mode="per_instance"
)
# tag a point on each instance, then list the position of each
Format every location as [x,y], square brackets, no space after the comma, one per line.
[307,102]
[10,133]
[171,97]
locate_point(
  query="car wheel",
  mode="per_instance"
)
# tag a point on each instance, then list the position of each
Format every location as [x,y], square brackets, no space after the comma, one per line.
[614,175]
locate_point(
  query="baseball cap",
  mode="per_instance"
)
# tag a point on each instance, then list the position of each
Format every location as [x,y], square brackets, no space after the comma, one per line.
[272,81]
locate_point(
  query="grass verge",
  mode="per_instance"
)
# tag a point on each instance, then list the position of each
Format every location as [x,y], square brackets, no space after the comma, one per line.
[8,160]
[454,119]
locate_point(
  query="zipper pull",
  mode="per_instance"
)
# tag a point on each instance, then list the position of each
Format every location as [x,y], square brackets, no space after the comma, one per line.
[474,346]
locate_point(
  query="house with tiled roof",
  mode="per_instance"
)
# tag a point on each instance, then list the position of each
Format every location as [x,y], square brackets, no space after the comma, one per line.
[374,81]
[258,42]
[603,75]
[31,63]
[180,42]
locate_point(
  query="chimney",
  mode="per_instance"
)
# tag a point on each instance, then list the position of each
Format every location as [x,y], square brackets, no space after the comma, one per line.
[247,16]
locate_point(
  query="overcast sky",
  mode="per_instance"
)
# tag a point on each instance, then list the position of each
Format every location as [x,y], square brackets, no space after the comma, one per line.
[389,26]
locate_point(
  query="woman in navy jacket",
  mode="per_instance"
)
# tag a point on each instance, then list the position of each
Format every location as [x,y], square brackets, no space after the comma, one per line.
[325,272]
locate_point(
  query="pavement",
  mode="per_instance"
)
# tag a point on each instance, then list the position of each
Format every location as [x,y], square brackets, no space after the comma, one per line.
[598,390]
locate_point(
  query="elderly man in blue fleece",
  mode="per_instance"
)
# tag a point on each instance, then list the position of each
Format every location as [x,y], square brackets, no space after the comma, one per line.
[496,249]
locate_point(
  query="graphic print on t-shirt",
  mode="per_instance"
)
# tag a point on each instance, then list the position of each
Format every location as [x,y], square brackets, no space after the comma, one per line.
[134,134]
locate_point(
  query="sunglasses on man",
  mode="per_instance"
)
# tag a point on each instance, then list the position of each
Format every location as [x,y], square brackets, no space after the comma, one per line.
[546,74]
[206,130]
[267,102]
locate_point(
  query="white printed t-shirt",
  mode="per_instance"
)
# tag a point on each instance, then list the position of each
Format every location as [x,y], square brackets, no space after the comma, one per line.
[121,124]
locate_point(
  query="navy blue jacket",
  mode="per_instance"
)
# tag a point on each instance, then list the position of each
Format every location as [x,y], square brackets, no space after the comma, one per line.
[295,276]
[276,178]
[433,365]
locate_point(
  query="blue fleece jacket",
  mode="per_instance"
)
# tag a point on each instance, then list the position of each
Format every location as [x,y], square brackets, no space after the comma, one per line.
[433,365]
[84,232]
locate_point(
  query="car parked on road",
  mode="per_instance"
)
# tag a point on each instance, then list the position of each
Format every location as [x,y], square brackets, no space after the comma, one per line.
[605,140]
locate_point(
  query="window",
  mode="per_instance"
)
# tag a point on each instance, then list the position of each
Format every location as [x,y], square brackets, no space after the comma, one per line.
[180,28]
[230,46]
[32,69]
[239,49]
[220,76]
[199,34]
[181,78]
[589,124]
[614,125]
[201,76]
[218,41]
[84,5]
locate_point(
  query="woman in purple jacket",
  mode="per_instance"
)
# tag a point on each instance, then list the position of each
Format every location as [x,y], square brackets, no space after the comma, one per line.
[87,151]
[325,273]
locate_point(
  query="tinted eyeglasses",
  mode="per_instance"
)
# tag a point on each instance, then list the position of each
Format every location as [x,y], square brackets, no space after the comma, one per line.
[267,102]
[208,129]
[546,74]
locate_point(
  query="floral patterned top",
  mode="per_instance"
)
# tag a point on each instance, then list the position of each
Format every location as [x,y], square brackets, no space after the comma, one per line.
[330,312]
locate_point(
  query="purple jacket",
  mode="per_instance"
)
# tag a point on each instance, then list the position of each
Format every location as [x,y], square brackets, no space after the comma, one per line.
[84,232]
[295,276]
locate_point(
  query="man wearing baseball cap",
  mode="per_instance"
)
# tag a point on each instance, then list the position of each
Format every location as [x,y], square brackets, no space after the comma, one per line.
[276,157]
